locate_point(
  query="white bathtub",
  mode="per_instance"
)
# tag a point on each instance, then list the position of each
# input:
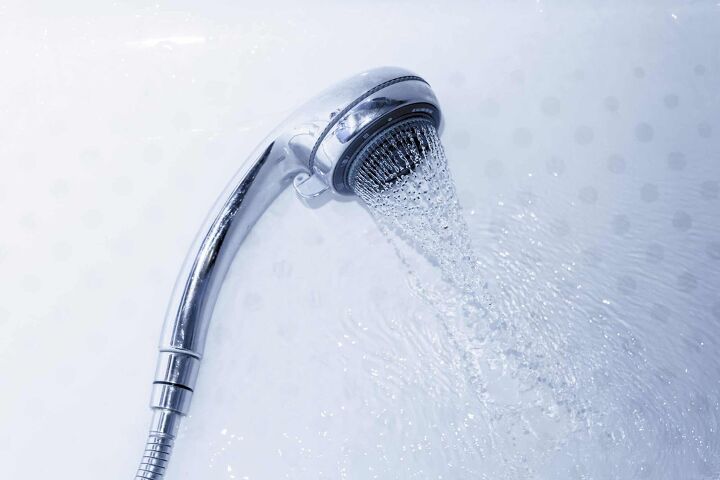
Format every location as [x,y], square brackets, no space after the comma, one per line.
[585,144]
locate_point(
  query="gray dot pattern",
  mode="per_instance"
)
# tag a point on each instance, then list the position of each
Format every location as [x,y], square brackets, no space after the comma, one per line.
[676,161]
[705,130]
[682,221]
[649,192]
[616,164]
[709,190]
[671,101]
[611,104]
[644,132]
[522,137]
[621,224]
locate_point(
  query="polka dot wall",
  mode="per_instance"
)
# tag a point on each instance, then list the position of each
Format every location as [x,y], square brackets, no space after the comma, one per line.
[601,168]
[584,140]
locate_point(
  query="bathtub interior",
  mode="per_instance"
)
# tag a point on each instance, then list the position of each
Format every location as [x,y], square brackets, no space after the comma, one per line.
[583,139]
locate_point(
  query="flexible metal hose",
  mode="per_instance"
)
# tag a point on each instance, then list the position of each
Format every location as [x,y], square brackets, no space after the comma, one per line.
[158,447]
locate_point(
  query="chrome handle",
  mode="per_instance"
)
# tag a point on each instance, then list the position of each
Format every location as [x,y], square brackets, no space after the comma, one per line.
[182,343]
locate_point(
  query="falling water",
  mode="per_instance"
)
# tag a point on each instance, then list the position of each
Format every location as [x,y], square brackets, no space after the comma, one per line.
[554,379]
[413,200]
[405,181]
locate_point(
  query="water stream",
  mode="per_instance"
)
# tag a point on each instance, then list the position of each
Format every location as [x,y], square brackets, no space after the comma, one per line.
[565,385]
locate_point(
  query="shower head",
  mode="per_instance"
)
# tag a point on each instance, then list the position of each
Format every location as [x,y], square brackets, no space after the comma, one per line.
[326,145]
[336,126]
[391,155]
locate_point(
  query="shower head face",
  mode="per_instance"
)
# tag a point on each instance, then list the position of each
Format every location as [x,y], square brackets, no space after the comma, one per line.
[391,155]
[357,151]
[343,120]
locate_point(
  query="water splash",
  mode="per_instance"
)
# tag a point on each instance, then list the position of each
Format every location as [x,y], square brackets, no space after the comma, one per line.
[405,181]
[415,204]
[549,371]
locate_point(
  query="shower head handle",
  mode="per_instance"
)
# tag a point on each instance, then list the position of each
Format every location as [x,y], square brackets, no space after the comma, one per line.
[314,147]
[314,150]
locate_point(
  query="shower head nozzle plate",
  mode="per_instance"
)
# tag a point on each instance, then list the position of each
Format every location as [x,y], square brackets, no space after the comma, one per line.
[373,102]
[346,168]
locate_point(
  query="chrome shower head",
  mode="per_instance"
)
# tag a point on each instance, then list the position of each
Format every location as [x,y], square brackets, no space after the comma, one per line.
[323,146]
[348,117]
